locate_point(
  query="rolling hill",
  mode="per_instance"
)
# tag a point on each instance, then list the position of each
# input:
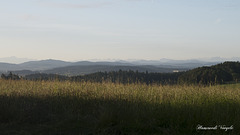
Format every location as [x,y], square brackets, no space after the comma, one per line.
[43,64]
[217,74]
[4,67]
[87,69]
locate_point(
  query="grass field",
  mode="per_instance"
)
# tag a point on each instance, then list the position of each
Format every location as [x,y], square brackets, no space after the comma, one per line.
[70,108]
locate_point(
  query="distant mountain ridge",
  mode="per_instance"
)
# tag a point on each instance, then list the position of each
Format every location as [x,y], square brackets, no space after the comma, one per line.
[85,67]
[34,65]
[43,64]
[8,67]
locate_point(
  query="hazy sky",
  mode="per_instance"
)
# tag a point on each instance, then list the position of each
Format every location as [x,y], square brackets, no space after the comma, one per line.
[119,29]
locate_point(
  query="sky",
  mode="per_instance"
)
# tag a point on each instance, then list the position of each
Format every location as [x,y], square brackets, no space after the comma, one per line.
[119,29]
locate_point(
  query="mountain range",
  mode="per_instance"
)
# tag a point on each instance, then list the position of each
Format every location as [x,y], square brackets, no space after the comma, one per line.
[87,67]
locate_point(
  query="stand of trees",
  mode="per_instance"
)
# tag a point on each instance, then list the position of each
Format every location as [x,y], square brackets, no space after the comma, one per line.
[10,76]
[43,76]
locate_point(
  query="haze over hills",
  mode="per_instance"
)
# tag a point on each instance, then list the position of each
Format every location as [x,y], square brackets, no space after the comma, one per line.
[44,64]
[86,67]
[34,65]
[15,60]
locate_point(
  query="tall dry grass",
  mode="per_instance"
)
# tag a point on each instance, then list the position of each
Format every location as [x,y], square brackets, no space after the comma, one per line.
[53,107]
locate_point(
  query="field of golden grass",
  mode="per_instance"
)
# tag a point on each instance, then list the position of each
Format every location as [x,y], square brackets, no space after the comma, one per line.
[79,108]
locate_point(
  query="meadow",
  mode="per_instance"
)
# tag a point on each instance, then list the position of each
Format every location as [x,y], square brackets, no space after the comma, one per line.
[84,108]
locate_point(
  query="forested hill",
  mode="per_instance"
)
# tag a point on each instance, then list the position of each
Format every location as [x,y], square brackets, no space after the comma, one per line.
[217,74]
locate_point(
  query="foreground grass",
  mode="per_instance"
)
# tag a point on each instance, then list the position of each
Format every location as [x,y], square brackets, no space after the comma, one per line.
[68,108]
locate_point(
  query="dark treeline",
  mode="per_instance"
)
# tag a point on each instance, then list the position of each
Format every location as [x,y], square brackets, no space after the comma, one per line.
[10,76]
[114,76]
[227,72]
[130,77]
[46,77]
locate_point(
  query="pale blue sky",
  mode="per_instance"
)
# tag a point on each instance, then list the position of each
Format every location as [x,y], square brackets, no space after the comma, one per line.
[119,29]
